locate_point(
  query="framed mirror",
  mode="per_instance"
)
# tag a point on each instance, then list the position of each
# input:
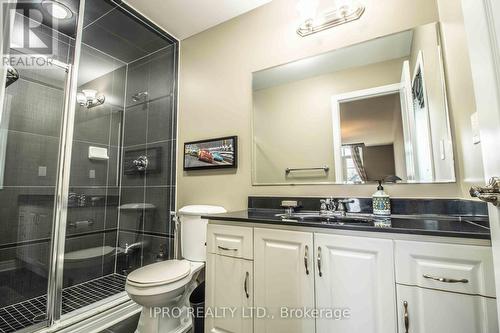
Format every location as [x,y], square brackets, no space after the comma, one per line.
[371,111]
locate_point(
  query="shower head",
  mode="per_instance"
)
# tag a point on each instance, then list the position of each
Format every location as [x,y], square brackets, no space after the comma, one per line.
[12,75]
[143,95]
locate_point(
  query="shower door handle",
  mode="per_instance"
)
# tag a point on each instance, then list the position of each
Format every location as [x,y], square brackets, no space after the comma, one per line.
[245,284]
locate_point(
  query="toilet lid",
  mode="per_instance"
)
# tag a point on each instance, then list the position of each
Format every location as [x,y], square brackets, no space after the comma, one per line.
[161,272]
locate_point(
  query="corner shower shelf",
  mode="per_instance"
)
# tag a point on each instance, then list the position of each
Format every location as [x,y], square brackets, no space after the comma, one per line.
[21,315]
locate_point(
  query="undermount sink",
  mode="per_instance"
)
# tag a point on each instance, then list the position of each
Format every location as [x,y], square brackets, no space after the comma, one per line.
[316,217]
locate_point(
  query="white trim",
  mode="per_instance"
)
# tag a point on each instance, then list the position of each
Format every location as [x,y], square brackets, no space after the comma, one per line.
[152,21]
[98,319]
[419,65]
[483,29]
[407,116]
[349,97]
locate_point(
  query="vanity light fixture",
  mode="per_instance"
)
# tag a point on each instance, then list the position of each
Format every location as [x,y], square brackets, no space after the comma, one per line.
[90,98]
[57,9]
[344,11]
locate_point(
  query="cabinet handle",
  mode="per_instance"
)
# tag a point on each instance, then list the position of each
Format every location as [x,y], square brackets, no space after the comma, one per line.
[245,285]
[406,316]
[306,259]
[226,248]
[319,262]
[445,280]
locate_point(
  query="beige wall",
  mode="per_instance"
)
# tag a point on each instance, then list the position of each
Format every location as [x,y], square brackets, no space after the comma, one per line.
[468,157]
[293,122]
[216,92]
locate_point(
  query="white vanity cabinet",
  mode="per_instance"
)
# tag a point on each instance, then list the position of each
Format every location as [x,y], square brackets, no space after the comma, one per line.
[355,274]
[229,280]
[284,278]
[379,284]
[445,288]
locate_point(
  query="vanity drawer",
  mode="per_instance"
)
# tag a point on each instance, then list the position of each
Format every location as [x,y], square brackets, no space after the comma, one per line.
[462,268]
[230,241]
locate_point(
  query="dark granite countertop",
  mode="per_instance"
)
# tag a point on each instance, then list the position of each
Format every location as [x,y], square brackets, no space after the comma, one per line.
[445,226]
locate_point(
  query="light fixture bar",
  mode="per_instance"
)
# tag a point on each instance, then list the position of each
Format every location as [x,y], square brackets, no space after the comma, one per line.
[329,20]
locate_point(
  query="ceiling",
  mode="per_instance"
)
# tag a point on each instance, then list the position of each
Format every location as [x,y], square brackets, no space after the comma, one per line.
[185,18]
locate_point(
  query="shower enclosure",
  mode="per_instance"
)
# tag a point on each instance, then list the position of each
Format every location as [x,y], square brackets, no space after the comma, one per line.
[87,158]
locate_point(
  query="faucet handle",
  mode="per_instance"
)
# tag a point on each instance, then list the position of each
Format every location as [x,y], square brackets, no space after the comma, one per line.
[323,205]
[342,204]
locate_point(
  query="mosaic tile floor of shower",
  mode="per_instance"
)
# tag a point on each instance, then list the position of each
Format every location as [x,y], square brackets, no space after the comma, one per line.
[21,315]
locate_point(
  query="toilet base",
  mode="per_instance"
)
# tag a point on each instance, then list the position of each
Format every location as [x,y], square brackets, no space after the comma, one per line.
[176,318]
[163,325]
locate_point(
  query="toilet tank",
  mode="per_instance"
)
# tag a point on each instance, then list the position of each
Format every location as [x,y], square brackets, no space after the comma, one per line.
[194,230]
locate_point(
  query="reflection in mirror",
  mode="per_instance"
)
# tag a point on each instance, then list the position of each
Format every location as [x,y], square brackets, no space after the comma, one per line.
[371,111]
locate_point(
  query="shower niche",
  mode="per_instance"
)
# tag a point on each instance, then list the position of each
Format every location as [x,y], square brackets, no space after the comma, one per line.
[74,223]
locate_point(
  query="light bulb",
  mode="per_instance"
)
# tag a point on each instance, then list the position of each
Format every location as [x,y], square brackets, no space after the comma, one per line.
[57,9]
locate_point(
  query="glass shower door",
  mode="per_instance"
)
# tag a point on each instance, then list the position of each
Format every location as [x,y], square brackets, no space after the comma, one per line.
[87,165]
[120,183]
[30,130]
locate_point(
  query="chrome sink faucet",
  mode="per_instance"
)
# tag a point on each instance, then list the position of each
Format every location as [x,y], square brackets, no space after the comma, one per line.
[336,207]
[290,206]
[327,206]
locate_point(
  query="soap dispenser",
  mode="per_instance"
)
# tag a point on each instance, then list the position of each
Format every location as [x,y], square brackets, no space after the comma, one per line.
[381,201]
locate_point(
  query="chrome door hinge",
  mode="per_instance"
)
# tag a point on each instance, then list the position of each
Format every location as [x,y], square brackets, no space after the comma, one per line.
[489,193]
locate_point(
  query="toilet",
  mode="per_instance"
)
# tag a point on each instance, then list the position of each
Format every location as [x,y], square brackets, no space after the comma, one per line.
[163,288]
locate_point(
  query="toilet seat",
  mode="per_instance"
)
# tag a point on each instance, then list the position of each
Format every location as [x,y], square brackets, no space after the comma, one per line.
[159,273]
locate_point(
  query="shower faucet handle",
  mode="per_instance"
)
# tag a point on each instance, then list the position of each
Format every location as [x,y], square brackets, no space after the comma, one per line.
[141,163]
[140,95]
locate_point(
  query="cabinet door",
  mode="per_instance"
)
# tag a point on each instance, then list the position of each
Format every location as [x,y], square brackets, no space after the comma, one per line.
[430,311]
[229,288]
[282,280]
[355,274]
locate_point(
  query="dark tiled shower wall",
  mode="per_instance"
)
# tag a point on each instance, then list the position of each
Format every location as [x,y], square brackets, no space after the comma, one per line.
[149,130]
[92,222]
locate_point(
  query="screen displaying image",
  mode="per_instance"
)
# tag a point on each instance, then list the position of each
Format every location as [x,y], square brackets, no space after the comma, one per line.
[213,153]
